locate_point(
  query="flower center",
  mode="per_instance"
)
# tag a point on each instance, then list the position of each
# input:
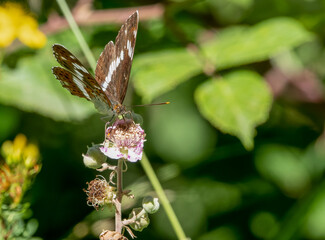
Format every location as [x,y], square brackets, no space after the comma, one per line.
[125,134]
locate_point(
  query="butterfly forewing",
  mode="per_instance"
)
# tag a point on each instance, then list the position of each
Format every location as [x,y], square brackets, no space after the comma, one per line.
[114,64]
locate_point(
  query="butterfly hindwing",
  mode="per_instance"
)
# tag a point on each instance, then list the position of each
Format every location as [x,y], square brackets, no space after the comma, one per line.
[114,64]
[66,79]
[77,79]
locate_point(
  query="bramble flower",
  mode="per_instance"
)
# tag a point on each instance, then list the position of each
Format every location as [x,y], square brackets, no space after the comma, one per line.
[16,23]
[124,139]
[99,193]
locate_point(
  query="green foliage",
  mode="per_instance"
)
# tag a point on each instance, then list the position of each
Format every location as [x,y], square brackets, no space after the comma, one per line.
[159,72]
[31,87]
[236,104]
[240,45]
[13,225]
[274,104]
[284,166]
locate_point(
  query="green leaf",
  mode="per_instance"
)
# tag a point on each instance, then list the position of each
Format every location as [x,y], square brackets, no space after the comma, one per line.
[235,104]
[159,72]
[230,11]
[31,228]
[223,232]
[9,122]
[32,87]
[313,227]
[243,45]
[284,166]
[177,131]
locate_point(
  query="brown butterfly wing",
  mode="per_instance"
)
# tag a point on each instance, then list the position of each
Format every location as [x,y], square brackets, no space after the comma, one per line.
[75,88]
[78,80]
[114,64]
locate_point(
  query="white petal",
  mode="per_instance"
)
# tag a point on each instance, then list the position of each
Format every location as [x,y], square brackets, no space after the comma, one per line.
[112,152]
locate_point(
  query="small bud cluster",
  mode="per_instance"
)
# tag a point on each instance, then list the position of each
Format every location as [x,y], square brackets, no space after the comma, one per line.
[139,217]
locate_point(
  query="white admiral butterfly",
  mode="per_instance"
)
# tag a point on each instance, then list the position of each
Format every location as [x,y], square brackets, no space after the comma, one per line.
[108,89]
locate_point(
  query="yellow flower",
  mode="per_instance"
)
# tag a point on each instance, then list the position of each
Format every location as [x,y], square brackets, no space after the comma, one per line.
[16,23]
[7,28]
[21,164]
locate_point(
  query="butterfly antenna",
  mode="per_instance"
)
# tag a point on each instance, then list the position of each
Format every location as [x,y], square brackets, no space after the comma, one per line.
[151,104]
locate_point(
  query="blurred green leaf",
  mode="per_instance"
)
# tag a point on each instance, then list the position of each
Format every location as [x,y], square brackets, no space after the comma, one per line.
[8,122]
[189,212]
[230,11]
[159,72]
[221,233]
[264,225]
[235,104]
[177,131]
[32,87]
[314,220]
[31,228]
[217,197]
[284,166]
[243,45]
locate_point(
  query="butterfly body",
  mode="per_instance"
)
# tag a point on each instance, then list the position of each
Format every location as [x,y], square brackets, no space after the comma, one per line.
[108,88]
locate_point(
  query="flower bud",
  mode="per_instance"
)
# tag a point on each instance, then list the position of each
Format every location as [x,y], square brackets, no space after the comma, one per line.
[150,204]
[94,158]
[142,220]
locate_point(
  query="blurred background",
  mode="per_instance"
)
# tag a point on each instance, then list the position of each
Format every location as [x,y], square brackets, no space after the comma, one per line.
[240,149]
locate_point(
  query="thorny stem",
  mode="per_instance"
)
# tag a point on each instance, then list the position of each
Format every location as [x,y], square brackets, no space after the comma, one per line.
[134,218]
[119,196]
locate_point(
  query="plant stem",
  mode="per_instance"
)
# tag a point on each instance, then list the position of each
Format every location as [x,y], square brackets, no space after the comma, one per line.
[76,31]
[119,196]
[163,198]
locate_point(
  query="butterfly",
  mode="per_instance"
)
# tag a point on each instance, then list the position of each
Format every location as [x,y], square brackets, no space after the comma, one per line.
[107,89]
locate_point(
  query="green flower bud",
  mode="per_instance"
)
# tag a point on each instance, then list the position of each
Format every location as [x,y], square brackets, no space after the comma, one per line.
[142,220]
[94,158]
[150,204]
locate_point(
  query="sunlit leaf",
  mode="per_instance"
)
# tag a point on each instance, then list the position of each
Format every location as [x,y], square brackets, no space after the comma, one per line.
[159,72]
[235,104]
[242,45]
